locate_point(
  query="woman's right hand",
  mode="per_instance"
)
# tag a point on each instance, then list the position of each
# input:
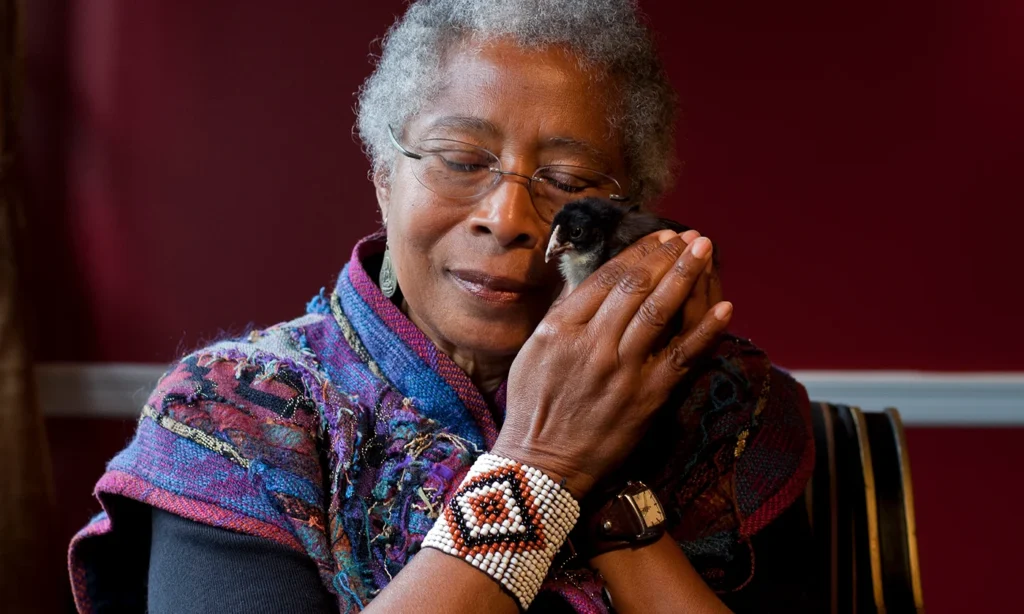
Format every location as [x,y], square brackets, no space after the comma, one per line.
[584,387]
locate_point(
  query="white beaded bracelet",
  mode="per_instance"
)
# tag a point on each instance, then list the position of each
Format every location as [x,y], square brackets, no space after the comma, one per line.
[508,520]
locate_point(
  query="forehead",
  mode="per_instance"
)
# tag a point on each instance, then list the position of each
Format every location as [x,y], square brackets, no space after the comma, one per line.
[501,90]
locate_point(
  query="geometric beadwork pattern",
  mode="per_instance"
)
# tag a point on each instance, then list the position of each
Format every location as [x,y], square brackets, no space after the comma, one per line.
[495,509]
[508,520]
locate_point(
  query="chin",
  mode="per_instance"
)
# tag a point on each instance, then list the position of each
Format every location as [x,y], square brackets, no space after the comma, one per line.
[499,338]
[461,322]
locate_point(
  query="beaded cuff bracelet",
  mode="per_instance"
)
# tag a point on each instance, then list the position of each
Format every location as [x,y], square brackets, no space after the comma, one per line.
[508,520]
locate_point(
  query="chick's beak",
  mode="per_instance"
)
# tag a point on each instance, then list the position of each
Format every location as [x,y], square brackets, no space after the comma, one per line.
[556,247]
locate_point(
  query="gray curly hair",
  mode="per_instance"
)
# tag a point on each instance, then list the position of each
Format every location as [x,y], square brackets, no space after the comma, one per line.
[606,35]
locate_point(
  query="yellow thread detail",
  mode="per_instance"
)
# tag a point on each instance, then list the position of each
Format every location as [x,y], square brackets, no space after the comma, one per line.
[741,444]
[192,434]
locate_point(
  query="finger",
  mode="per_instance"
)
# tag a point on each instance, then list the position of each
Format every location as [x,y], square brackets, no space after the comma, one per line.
[583,302]
[706,292]
[634,287]
[699,302]
[678,285]
[672,363]
[715,282]
[562,294]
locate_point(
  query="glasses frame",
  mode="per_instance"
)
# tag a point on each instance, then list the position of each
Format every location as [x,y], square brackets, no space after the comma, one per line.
[500,173]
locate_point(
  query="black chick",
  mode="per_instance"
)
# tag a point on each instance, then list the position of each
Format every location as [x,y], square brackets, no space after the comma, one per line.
[588,232]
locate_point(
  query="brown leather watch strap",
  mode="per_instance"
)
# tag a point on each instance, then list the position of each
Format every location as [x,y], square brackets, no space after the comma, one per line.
[615,525]
[614,521]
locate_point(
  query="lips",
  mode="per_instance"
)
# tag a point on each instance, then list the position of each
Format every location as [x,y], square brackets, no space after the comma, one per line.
[493,288]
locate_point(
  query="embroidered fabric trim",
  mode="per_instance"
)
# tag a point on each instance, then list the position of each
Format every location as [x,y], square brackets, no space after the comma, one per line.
[206,440]
[352,337]
[508,520]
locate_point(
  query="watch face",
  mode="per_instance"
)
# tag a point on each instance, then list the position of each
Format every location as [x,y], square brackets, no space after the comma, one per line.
[650,509]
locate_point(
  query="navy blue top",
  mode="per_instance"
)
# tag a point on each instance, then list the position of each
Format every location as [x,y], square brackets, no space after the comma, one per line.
[202,569]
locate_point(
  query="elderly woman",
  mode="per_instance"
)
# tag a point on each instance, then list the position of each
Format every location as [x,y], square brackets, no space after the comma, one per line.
[447,430]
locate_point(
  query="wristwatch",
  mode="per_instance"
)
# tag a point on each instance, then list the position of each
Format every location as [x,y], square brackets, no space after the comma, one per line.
[632,518]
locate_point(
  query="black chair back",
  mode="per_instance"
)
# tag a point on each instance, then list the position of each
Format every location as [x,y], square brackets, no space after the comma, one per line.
[861,505]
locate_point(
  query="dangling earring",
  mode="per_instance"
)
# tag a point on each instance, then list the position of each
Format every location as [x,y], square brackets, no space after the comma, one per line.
[388,279]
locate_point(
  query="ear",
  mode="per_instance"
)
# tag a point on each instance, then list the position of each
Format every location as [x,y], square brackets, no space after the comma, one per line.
[382,187]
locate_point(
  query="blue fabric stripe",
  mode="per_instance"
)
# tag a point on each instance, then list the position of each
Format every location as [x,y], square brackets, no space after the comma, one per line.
[406,370]
[183,467]
[288,483]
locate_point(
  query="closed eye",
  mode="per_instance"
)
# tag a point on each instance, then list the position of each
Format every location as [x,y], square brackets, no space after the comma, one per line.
[463,167]
[572,189]
[571,183]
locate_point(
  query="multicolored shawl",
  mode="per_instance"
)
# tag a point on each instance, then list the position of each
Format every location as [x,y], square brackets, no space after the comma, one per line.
[340,434]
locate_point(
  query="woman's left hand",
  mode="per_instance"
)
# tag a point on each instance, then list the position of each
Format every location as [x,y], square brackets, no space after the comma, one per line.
[706,291]
[584,387]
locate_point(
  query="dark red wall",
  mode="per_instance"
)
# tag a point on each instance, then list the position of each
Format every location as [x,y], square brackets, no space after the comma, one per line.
[859,166]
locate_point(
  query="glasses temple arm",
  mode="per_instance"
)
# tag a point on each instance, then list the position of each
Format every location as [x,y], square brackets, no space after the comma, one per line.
[405,152]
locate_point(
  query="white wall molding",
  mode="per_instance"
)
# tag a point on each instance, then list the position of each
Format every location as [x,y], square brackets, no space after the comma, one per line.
[118,390]
[925,398]
[95,390]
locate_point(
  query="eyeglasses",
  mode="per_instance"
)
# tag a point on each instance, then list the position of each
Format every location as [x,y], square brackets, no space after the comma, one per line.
[454,169]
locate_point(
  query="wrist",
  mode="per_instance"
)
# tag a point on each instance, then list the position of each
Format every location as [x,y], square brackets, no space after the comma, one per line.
[576,483]
[508,520]
[630,556]
[625,515]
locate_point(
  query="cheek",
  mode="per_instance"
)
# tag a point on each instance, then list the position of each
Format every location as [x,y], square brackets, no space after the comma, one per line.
[418,226]
[426,236]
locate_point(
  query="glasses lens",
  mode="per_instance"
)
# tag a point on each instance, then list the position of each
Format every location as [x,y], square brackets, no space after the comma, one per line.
[556,186]
[455,170]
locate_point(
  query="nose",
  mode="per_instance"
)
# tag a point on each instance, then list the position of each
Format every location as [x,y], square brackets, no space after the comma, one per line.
[507,214]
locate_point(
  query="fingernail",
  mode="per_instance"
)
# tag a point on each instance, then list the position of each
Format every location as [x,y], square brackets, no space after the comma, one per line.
[689,236]
[701,247]
[666,235]
[723,310]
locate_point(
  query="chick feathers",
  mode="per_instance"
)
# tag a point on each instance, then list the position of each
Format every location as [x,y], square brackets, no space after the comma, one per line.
[588,232]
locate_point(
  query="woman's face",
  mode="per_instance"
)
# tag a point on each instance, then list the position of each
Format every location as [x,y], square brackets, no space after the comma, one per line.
[472,271]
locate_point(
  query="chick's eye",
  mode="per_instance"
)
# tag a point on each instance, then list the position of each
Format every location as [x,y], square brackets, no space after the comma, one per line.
[576,232]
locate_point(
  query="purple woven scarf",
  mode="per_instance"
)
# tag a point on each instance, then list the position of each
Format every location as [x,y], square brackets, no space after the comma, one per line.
[341,434]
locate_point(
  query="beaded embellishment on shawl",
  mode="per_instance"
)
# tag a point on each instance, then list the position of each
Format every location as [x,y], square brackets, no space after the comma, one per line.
[341,434]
